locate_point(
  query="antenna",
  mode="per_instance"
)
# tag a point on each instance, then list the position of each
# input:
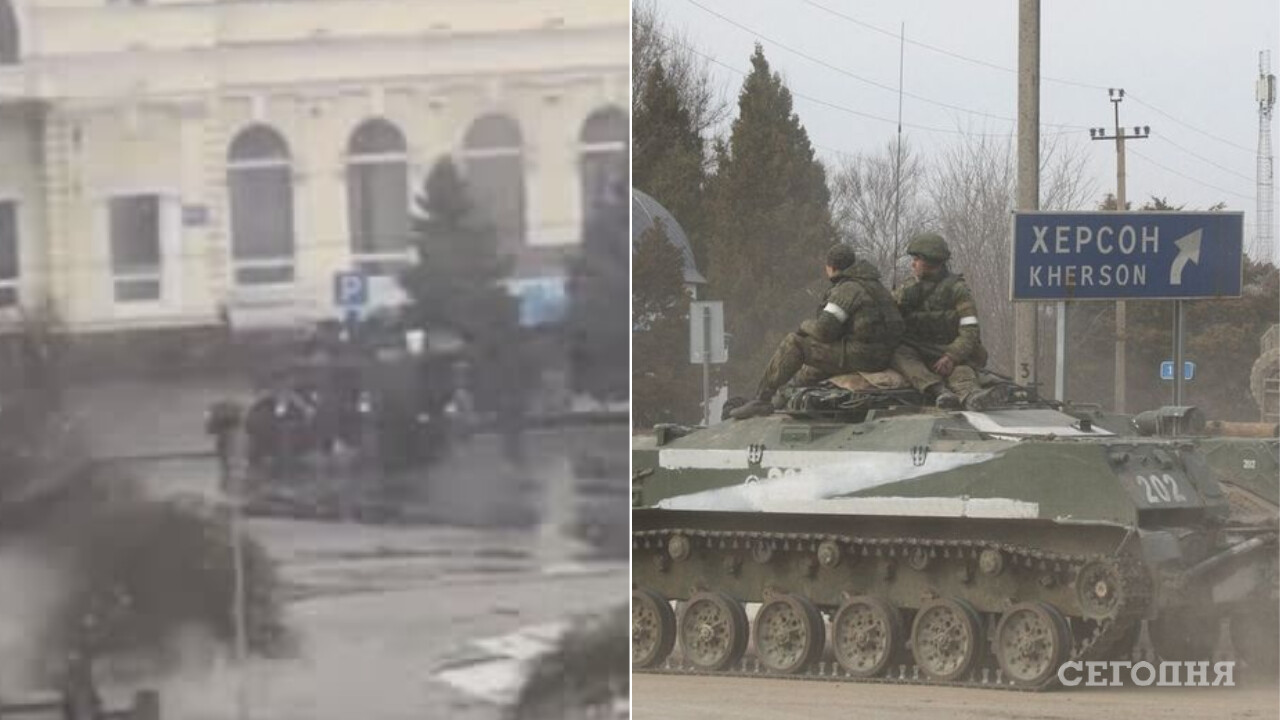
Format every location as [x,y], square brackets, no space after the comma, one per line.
[1265,230]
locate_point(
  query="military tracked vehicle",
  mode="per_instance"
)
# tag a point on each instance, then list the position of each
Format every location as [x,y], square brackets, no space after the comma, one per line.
[888,541]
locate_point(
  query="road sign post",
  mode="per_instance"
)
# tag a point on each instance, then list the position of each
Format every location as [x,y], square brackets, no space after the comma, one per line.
[706,345]
[1129,256]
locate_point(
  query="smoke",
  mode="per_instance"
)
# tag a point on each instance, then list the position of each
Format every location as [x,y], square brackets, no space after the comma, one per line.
[31,590]
[787,490]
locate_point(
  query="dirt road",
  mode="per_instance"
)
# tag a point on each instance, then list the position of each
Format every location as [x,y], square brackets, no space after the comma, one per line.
[682,698]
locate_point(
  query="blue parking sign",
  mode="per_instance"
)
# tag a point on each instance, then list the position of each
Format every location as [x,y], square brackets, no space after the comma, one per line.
[350,289]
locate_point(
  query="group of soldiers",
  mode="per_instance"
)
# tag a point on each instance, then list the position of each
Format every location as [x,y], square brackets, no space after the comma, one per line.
[927,331]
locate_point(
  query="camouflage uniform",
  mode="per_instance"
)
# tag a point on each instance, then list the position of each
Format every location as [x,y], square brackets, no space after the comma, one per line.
[856,328]
[941,319]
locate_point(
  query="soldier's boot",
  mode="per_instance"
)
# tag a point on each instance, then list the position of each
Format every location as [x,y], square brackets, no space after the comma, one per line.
[944,399]
[987,398]
[755,408]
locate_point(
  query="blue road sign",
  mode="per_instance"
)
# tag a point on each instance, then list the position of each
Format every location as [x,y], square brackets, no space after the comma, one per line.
[350,289]
[1188,370]
[1127,256]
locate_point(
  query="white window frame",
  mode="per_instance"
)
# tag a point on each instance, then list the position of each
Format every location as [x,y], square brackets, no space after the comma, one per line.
[14,283]
[466,155]
[587,150]
[403,258]
[290,261]
[168,274]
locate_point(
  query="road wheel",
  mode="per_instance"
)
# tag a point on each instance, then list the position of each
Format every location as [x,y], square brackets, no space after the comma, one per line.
[789,634]
[713,631]
[653,628]
[1031,642]
[946,639]
[866,635]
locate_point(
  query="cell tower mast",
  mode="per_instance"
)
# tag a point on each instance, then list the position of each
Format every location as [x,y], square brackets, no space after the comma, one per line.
[1266,185]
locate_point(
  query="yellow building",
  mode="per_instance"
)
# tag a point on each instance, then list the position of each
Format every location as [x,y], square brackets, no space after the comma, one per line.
[178,163]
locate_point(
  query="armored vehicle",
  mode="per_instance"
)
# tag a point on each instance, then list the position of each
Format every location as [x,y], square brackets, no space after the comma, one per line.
[883,540]
[347,428]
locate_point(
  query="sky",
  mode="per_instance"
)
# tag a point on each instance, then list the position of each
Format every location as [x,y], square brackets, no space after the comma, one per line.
[1189,70]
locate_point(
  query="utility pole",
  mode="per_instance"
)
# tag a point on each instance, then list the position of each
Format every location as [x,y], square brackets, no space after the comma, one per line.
[1117,96]
[1025,332]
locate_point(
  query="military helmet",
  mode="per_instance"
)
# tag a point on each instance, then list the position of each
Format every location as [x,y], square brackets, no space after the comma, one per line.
[929,246]
[841,256]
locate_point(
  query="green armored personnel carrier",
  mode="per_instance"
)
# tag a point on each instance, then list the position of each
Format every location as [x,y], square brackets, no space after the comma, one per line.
[878,539]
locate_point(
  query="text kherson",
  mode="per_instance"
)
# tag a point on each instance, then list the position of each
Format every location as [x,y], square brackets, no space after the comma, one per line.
[1064,240]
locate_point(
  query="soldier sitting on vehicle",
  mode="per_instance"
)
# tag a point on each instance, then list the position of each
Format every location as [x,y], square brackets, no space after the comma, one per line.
[941,351]
[856,329]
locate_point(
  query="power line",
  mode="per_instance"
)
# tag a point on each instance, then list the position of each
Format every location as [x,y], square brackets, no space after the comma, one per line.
[994,66]
[1188,177]
[837,106]
[1204,159]
[944,51]
[1149,106]
[859,78]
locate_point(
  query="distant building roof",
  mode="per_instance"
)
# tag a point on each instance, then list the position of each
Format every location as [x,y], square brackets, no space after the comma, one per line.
[644,211]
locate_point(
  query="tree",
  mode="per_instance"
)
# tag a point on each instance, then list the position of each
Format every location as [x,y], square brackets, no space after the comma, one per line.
[865,199]
[652,41]
[972,192]
[667,162]
[598,325]
[664,386]
[457,283]
[770,222]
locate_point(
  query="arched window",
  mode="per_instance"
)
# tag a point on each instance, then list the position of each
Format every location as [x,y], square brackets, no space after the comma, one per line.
[10,48]
[378,197]
[603,145]
[492,160]
[260,188]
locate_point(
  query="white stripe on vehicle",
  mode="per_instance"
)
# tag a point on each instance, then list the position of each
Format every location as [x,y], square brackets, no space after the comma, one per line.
[815,476]
[1002,508]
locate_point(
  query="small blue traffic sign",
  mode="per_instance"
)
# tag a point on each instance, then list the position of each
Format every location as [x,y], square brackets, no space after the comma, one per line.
[1127,255]
[1188,370]
[350,289]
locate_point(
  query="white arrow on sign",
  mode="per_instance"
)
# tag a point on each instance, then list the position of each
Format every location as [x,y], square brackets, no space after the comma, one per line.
[1188,251]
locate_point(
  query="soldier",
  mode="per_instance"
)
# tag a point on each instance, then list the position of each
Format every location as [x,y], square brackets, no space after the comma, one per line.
[856,328]
[941,352]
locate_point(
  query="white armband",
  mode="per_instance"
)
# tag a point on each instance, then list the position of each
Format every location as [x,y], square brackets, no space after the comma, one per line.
[837,311]
[968,320]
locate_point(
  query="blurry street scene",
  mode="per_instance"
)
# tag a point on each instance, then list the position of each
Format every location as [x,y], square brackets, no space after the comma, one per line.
[313,360]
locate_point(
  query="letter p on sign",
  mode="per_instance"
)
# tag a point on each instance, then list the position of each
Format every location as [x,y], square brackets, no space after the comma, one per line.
[350,289]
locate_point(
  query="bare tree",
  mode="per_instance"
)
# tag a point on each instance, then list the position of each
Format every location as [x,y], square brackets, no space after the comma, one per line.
[652,39]
[973,193]
[865,194]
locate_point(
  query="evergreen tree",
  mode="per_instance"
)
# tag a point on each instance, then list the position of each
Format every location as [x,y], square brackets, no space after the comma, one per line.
[663,386]
[770,223]
[597,326]
[668,159]
[457,283]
